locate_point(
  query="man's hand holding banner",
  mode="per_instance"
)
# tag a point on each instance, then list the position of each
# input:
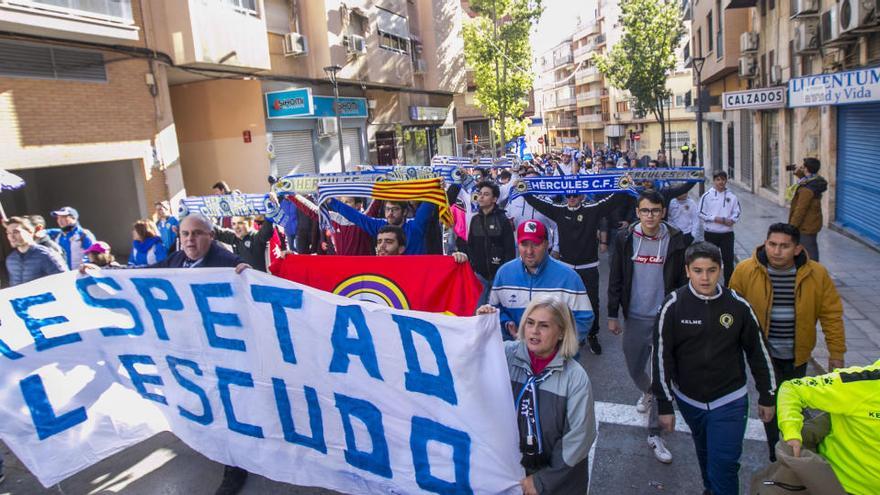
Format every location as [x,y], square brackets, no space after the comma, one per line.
[281,379]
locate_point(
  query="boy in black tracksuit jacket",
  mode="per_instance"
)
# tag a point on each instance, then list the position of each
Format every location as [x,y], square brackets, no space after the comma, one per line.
[699,342]
[490,242]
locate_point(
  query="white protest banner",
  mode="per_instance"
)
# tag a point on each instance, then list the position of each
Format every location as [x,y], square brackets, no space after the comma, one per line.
[294,384]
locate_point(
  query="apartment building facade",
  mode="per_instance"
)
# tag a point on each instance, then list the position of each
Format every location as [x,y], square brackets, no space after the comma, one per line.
[820,57]
[85,113]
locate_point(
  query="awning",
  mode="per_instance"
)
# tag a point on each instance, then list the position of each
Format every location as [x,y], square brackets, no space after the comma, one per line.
[391,23]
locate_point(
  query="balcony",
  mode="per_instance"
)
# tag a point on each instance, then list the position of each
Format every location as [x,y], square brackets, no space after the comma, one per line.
[587,49]
[567,101]
[563,123]
[563,60]
[78,20]
[586,119]
[587,75]
[586,30]
[590,98]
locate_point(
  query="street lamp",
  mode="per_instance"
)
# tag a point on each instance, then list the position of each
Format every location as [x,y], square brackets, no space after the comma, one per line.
[698,68]
[331,71]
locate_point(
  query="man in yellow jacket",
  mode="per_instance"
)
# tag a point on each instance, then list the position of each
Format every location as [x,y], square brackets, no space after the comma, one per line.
[852,397]
[790,293]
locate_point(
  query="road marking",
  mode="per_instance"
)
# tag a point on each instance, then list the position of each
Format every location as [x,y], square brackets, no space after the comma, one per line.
[626,415]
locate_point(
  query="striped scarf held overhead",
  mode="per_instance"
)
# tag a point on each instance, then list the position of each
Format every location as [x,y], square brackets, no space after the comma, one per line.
[428,190]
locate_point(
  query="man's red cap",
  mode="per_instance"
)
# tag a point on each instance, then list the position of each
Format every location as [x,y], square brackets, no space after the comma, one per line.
[531,230]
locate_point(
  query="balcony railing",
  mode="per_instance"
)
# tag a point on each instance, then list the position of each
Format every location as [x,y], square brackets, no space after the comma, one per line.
[586,75]
[589,118]
[564,102]
[565,59]
[562,123]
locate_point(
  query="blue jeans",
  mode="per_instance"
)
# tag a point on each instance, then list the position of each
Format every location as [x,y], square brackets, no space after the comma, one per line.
[718,438]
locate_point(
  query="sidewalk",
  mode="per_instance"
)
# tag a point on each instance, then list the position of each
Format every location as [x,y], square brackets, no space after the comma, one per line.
[854,267]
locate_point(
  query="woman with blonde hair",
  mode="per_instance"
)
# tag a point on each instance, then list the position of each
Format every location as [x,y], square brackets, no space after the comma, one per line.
[553,399]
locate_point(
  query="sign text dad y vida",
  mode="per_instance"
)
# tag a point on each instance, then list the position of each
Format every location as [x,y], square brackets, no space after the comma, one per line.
[283,380]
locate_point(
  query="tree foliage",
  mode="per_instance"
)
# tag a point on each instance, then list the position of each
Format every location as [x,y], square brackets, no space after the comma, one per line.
[645,55]
[497,49]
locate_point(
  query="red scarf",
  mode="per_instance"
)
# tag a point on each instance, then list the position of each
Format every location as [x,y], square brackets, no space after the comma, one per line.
[539,363]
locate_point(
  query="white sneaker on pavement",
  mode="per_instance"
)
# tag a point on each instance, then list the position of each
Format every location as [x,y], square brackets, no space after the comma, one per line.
[644,403]
[659,447]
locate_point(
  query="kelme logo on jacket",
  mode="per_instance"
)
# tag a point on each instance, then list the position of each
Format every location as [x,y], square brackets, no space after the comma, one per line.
[726,320]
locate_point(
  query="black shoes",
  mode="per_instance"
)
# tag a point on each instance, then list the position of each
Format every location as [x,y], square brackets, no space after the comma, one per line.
[234,479]
[595,347]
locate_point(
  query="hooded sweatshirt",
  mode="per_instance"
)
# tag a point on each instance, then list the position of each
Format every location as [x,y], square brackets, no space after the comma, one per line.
[806,204]
[648,289]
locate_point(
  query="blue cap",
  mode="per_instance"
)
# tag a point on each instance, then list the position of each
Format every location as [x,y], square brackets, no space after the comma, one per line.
[66,211]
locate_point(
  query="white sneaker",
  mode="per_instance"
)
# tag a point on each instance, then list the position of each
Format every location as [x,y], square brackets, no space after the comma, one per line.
[660,451]
[644,403]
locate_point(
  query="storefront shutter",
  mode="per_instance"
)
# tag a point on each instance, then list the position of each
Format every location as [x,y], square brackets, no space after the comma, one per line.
[293,152]
[858,146]
[351,140]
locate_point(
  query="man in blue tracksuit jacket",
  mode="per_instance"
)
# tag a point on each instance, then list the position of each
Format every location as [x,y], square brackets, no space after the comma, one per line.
[535,274]
[72,238]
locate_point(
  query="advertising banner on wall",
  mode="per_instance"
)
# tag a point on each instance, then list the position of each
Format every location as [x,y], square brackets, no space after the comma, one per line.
[857,86]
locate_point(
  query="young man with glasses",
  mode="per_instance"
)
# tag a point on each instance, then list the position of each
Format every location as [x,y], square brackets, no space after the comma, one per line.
[647,264]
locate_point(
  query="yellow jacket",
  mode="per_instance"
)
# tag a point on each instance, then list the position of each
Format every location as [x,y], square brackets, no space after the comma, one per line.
[852,397]
[815,299]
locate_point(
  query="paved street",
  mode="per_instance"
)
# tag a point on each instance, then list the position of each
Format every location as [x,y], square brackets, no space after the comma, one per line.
[623,464]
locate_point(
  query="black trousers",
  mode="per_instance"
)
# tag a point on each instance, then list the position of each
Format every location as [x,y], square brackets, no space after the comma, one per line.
[785,370]
[724,242]
[590,277]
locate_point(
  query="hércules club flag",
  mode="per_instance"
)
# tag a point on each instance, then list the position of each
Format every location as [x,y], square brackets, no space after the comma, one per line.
[431,283]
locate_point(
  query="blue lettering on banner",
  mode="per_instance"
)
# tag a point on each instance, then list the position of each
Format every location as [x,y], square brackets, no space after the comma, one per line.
[82,286]
[171,302]
[423,431]
[280,299]
[34,325]
[42,414]
[212,319]
[316,423]
[8,352]
[138,379]
[416,380]
[225,378]
[378,461]
[361,346]
[207,417]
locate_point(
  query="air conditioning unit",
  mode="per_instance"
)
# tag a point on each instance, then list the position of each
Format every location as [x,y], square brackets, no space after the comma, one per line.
[294,44]
[419,66]
[748,66]
[357,45]
[804,7]
[854,14]
[775,75]
[327,126]
[807,36]
[748,42]
[830,30]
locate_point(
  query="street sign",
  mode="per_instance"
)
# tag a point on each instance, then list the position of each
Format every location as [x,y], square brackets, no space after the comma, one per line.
[541,140]
[637,137]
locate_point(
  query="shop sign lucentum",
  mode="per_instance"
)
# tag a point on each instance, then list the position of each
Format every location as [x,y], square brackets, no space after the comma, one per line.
[857,86]
[754,99]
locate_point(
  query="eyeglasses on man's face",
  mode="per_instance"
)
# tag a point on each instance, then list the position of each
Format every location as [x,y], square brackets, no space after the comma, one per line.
[654,212]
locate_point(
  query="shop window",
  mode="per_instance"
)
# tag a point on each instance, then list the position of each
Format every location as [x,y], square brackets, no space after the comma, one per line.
[675,140]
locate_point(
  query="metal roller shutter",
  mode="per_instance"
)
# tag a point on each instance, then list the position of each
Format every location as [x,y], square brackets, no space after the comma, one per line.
[293,152]
[351,140]
[858,145]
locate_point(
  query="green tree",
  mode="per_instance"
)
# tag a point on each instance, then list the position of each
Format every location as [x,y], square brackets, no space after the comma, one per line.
[497,49]
[645,55]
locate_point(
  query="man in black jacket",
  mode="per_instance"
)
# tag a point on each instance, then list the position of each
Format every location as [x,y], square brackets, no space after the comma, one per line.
[246,242]
[703,332]
[647,263]
[490,237]
[578,225]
